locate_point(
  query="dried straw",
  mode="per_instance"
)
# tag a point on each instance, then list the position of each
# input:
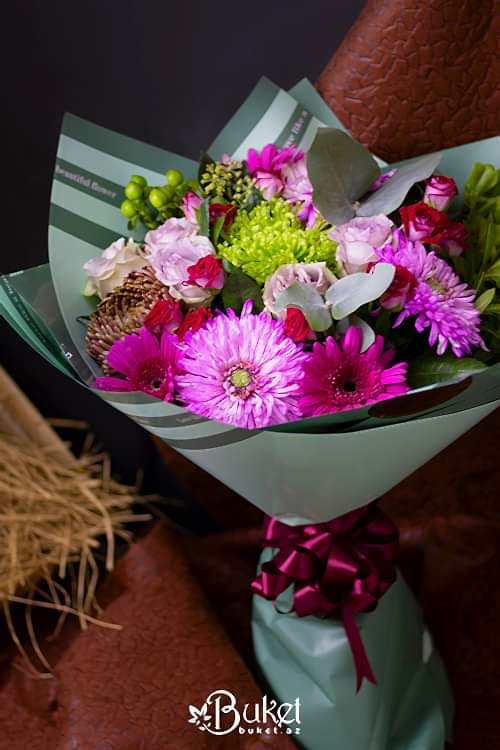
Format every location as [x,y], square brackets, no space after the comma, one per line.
[54,511]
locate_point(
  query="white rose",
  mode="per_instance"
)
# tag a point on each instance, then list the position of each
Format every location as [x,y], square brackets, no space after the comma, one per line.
[109,270]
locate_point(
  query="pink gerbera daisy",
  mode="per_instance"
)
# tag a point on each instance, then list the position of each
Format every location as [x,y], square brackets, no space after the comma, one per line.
[242,370]
[338,376]
[146,363]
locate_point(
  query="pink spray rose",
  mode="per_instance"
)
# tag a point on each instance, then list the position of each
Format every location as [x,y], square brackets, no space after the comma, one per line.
[190,204]
[439,191]
[172,249]
[357,240]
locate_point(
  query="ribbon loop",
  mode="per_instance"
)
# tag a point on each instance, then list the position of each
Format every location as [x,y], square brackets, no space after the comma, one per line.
[338,568]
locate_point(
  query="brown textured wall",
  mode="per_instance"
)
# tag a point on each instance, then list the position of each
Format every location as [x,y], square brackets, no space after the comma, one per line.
[414,76]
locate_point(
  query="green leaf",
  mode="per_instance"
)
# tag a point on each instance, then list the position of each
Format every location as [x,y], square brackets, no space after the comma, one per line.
[341,171]
[494,271]
[217,229]
[485,299]
[482,179]
[352,292]
[430,369]
[204,219]
[238,288]
[392,193]
[310,301]
[494,310]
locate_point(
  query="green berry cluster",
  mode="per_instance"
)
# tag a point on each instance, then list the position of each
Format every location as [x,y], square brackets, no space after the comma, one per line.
[153,205]
[227,181]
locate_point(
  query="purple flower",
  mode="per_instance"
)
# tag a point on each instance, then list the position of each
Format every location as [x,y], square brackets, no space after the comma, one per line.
[358,239]
[380,180]
[147,365]
[439,300]
[339,377]
[298,190]
[266,167]
[242,370]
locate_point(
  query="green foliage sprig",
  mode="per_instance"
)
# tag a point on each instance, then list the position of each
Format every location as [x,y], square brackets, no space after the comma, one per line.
[479,265]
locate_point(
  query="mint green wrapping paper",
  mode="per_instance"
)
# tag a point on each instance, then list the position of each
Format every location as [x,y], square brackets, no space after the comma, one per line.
[410,708]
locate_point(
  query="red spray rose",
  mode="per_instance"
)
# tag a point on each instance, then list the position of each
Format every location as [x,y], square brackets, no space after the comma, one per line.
[227,210]
[400,290]
[207,273]
[455,238]
[194,320]
[422,223]
[166,315]
[296,326]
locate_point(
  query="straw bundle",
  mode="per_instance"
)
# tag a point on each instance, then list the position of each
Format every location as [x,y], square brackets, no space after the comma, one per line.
[54,509]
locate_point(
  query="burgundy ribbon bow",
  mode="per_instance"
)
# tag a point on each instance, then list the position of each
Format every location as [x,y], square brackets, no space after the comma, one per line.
[341,567]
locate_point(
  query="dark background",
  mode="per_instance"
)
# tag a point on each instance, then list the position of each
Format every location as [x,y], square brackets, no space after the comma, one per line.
[167,73]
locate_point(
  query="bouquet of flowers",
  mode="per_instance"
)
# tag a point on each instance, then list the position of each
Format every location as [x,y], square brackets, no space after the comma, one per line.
[289,285]
[309,325]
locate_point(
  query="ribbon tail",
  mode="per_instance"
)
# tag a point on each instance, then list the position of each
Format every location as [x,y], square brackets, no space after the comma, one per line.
[361,662]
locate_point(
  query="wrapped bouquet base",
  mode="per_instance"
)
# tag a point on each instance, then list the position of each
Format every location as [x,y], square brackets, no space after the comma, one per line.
[310,658]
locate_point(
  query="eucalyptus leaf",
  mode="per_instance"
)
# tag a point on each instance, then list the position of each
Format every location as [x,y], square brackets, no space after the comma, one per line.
[238,288]
[310,301]
[392,193]
[430,369]
[485,299]
[352,292]
[341,170]
[367,331]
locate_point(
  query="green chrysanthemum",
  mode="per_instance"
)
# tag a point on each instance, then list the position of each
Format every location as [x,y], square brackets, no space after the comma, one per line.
[269,236]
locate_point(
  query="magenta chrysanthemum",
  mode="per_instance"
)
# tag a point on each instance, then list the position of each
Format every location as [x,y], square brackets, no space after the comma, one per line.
[147,365]
[440,301]
[242,370]
[339,377]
